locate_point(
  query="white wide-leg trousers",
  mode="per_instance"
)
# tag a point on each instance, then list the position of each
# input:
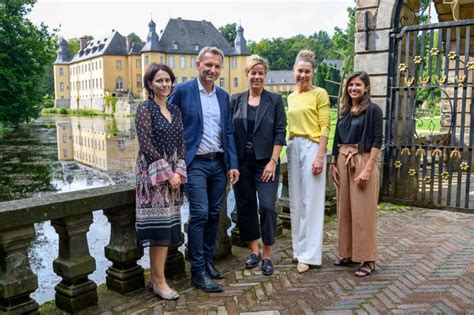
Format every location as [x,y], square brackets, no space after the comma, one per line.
[307,198]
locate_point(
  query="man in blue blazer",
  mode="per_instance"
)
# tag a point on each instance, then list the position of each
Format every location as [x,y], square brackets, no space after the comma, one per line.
[210,156]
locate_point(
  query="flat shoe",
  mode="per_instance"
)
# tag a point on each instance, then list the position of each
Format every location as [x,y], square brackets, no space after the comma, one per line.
[302,267]
[173,295]
[267,267]
[253,260]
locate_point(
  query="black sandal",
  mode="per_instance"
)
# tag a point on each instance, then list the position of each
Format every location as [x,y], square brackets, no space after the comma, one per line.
[343,262]
[363,272]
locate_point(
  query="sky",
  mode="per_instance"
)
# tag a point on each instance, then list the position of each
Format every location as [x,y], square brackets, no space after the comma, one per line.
[259,18]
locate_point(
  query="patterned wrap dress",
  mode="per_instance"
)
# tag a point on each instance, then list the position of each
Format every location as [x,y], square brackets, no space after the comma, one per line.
[161,154]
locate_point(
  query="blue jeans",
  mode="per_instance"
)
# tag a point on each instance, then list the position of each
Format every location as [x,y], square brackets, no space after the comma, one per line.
[205,188]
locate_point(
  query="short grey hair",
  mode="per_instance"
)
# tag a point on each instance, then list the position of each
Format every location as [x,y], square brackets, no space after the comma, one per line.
[213,50]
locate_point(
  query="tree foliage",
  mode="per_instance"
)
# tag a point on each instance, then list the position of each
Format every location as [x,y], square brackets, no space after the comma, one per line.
[26,51]
[343,42]
[229,31]
[134,39]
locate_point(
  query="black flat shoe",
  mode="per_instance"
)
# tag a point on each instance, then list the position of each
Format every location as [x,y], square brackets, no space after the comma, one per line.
[253,260]
[212,271]
[203,282]
[267,267]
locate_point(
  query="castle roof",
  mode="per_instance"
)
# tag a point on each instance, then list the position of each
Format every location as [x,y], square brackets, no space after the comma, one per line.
[280,77]
[189,37]
[112,44]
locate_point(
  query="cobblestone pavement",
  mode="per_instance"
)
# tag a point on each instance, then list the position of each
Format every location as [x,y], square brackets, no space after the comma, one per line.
[426,265]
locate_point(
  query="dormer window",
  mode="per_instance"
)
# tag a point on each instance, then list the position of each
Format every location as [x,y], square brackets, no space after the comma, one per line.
[196,47]
[175,45]
[283,80]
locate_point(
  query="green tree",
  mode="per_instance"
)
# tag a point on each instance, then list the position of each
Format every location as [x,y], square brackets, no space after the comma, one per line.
[26,51]
[134,38]
[74,44]
[343,42]
[229,31]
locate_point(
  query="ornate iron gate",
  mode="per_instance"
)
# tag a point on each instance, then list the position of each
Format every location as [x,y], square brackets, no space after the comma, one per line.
[429,133]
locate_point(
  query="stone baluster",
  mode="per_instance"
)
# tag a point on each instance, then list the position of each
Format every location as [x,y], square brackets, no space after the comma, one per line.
[17,280]
[125,275]
[74,263]
[223,241]
[236,241]
[283,203]
[174,267]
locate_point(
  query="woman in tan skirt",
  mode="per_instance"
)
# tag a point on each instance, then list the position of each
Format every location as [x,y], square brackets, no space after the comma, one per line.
[354,169]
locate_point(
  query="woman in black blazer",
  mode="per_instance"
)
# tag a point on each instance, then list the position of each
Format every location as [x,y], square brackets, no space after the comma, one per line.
[259,122]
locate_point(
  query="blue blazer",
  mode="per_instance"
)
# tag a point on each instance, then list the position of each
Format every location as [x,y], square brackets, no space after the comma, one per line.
[186,96]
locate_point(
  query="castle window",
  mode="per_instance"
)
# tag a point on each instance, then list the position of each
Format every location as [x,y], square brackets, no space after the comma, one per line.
[139,81]
[119,84]
[61,86]
[196,47]
[61,71]
[147,61]
[193,62]
[236,82]
[184,79]
[171,61]
[234,62]
[221,82]
[175,45]
[138,63]
[118,64]
[182,62]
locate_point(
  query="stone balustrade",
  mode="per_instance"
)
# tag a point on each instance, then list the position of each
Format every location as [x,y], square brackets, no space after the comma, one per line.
[71,216]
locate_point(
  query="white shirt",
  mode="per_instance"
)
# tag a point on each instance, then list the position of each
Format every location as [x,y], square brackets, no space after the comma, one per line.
[211,115]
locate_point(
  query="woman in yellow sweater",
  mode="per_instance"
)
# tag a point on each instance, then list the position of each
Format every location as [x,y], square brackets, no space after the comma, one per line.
[308,123]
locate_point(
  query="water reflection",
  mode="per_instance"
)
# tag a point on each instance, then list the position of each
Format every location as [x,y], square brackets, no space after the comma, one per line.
[108,144]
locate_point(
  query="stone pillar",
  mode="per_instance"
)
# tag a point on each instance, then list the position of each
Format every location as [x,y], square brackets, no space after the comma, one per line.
[124,275]
[74,263]
[174,267]
[223,241]
[236,241]
[283,203]
[17,280]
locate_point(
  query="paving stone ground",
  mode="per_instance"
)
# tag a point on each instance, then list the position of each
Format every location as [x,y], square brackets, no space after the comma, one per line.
[426,266]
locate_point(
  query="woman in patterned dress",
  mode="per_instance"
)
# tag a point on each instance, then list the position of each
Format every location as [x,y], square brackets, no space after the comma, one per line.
[160,172]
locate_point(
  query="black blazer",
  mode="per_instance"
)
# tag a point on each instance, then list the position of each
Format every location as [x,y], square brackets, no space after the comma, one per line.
[270,123]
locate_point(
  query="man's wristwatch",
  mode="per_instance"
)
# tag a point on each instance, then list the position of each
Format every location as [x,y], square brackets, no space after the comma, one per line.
[273,159]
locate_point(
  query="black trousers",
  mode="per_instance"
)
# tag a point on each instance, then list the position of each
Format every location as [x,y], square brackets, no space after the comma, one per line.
[246,191]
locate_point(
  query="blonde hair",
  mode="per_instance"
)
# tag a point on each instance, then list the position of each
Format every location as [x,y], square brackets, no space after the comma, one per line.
[306,56]
[254,60]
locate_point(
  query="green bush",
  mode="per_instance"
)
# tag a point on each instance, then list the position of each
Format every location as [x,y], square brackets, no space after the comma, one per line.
[63,111]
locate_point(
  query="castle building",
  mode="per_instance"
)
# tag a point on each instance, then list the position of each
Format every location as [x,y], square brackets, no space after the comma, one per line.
[110,66]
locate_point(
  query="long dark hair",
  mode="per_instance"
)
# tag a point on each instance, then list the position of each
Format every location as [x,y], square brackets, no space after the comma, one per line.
[150,73]
[347,100]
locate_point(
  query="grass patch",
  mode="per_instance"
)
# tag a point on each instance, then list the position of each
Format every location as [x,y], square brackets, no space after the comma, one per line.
[429,124]
[72,112]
